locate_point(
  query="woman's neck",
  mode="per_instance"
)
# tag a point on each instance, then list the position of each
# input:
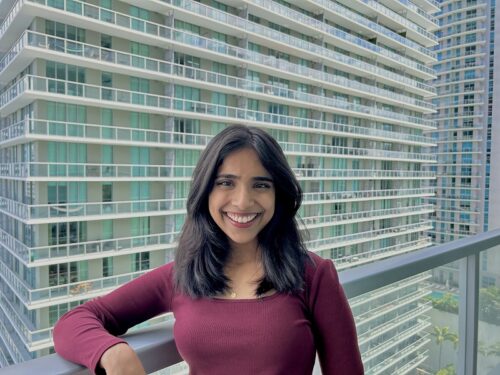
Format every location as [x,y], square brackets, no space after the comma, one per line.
[244,255]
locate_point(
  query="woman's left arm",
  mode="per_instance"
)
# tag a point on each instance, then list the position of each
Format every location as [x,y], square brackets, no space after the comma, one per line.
[333,323]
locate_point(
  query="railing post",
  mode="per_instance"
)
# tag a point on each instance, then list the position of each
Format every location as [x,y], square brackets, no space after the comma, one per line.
[468,315]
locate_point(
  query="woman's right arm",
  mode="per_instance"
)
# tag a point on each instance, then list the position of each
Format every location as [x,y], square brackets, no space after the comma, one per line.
[84,334]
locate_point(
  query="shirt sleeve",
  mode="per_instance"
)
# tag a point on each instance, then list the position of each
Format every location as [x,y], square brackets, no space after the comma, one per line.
[333,323]
[83,334]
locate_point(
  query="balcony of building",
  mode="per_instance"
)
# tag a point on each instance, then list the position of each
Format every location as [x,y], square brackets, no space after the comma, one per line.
[30,88]
[122,25]
[33,45]
[29,130]
[419,11]
[368,285]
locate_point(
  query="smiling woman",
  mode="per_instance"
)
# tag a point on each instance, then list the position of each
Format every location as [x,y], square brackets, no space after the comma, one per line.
[242,200]
[242,171]
[246,295]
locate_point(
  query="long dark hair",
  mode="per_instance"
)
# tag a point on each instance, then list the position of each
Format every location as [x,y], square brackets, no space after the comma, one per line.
[204,249]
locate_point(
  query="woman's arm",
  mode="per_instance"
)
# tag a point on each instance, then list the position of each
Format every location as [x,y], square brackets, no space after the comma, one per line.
[333,324]
[85,333]
[121,359]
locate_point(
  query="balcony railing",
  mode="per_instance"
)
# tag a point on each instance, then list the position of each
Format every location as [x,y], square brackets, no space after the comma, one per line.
[54,295]
[403,21]
[101,95]
[156,346]
[40,171]
[422,12]
[68,211]
[68,170]
[320,197]
[329,31]
[44,129]
[167,70]
[339,10]
[109,17]
[358,216]
[52,254]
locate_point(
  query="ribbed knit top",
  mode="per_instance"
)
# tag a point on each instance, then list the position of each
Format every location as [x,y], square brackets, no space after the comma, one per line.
[277,334]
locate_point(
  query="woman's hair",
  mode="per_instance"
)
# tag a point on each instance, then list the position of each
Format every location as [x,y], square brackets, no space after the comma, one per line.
[204,248]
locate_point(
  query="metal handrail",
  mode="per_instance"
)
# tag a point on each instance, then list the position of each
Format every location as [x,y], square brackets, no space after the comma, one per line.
[156,346]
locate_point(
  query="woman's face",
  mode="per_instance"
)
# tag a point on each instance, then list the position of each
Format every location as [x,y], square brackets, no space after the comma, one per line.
[242,199]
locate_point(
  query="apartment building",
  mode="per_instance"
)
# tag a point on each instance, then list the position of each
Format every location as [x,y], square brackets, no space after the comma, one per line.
[105,106]
[464,119]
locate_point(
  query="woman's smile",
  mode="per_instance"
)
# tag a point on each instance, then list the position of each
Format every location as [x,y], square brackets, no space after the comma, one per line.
[242,199]
[242,220]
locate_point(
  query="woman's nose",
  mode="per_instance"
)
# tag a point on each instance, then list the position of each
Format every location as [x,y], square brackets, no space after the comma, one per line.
[242,198]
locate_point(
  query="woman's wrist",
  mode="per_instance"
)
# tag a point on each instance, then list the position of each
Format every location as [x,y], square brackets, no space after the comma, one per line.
[121,359]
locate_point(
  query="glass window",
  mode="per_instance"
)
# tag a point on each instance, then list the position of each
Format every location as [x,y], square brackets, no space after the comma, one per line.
[107,267]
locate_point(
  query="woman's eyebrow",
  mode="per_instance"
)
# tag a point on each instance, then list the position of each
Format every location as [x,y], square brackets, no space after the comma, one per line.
[227,176]
[256,178]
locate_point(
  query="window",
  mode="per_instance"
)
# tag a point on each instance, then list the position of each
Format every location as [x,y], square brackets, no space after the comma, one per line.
[141,261]
[469,74]
[139,85]
[139,16]
[60,73]
[64,273]
[107,267]
[64,31]
[106,81]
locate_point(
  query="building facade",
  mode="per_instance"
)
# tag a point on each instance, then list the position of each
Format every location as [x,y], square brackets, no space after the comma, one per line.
[465,129]
[105,107]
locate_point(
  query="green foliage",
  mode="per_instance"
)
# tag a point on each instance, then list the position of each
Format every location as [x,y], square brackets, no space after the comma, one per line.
[489,305]
[446,303]
[448,370]
[442,334]
[492,350]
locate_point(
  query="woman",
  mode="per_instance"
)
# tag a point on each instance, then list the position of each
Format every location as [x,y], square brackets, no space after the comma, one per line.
[246,295]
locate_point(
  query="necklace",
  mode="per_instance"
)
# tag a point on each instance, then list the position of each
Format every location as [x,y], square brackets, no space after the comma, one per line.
[233,295]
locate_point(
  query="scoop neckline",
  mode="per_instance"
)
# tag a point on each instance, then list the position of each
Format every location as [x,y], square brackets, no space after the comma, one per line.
[258,299]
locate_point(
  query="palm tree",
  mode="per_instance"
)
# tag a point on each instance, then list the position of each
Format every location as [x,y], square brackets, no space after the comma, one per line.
[442,334]
[482,349]
[453,338]
[494,349]
[448,370]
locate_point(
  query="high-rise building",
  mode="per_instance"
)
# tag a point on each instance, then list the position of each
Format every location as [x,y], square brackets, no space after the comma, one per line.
[106,104]
[464,120]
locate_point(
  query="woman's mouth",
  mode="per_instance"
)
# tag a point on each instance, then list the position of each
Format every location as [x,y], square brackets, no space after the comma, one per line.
[240,220]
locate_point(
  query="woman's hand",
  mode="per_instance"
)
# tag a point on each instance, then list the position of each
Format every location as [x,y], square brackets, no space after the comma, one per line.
[121,359]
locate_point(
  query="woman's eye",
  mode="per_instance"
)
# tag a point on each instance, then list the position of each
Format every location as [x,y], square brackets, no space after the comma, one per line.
[263,186]
[223,183]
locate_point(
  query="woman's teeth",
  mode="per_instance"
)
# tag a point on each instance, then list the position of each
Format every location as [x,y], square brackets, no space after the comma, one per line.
[242,219]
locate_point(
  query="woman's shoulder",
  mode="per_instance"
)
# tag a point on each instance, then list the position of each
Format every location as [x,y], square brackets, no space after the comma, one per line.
[316,267]
[164,272]
[315,262]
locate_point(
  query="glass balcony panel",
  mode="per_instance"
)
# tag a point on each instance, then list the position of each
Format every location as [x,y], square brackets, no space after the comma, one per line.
[413,325]
[393,326]
[444,298]
[488,355]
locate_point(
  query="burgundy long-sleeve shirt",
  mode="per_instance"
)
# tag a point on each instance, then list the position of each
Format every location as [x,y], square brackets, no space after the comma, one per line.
[277,334]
